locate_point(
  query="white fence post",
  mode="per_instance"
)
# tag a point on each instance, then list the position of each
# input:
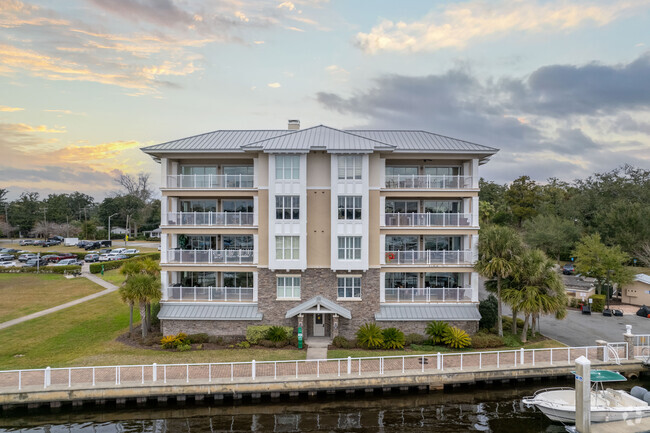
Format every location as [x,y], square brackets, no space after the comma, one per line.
[349,364]
[47,378]
[438,361]
[253,369]
[521,357]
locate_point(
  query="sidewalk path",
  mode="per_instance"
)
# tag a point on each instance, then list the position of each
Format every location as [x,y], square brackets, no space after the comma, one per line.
[317,348]
[108,286]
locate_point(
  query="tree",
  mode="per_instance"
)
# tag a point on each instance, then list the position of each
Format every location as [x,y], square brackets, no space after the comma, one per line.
[498,248]
[143,287]
[605,264]
[552,234]
[643,254]
[129,296]
[4,204]
[139,187]
[523,197]
[6,229]
[25,211]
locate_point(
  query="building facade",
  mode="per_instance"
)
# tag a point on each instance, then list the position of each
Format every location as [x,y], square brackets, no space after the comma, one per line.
[321,228]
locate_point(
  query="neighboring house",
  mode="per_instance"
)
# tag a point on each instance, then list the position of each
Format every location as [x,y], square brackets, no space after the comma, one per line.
[119,231]
[637,292]
[580,288]
[322,228]
[155,233]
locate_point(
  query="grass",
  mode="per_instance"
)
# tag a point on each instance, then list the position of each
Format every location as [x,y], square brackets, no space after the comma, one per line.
[113,276]
[23,294]
[85,335]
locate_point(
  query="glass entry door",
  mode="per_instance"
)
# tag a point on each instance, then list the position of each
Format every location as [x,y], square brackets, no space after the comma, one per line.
[319,325]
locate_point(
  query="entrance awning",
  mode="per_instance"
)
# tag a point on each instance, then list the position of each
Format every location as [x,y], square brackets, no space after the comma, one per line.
[321,305]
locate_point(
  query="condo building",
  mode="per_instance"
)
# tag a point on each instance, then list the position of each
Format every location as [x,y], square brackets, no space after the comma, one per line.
[319,227]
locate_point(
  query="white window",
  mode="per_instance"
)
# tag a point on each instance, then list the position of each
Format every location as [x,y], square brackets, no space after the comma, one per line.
[287,167]
[287,207]
[349,248]
[349,287]
[350,207]
[287,247]
[288,287]
[350,167]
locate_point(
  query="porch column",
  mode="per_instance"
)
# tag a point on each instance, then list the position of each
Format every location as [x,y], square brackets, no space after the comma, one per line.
[300,322]
[335,325]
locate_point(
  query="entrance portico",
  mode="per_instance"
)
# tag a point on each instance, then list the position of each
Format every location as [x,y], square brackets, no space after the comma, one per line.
[322,318]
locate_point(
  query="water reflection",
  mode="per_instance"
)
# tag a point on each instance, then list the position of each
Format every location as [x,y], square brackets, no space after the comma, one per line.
[482,410]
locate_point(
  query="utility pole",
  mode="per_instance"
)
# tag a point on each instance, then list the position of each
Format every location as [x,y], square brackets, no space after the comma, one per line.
[47,232]
[109,225]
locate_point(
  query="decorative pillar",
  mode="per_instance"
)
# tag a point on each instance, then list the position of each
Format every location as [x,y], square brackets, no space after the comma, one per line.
[300,320]
[335,325]
[628,337]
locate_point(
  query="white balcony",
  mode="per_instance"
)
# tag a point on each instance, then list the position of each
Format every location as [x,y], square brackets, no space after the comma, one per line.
[210,181]
[428,220]
[463,257]
[427,294]
[211,294]
[225,219]
[219,257]
[405,181]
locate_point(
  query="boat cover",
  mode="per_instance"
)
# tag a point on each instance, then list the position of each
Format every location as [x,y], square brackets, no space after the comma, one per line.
[605,376]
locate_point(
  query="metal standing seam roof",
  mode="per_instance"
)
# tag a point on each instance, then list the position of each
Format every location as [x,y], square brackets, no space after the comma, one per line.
[642,278]
[169,311]
[319,137]
[323,302]
[421,312]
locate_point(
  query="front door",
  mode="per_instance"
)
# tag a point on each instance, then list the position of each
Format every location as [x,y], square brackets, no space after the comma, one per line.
[319,325]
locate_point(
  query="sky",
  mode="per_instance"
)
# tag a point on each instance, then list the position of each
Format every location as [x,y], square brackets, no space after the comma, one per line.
[561,87]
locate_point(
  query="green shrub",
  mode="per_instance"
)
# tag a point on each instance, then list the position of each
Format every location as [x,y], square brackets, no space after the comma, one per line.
[243,345]
[489,310]
[598,304]
[369,336]
[411,339]
[216,340]
[456,338]
[280,344]
[393,338]
[293,340]
[507,323]
[266,343]
[184,347]
[258,332]
[341,342]
[168,342]
[511,340]
[198,338]
[42,269]
[437,331]
[485,340]
[155,309]
[276,334]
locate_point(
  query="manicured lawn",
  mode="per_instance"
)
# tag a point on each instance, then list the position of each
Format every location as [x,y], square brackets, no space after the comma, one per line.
[22,294]
[85,335]
[113,276]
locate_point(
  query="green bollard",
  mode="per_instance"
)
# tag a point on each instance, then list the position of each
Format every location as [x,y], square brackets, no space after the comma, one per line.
[300,337]
[102,269]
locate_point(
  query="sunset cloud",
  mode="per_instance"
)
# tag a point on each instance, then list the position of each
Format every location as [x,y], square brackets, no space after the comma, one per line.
[10,109]
[455,25]
[274,85]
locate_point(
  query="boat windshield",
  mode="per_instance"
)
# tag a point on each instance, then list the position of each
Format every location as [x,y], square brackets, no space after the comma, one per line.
[605,376]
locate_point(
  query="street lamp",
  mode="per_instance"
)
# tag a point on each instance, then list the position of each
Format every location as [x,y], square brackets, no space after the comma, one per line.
[109,225]
[609,284]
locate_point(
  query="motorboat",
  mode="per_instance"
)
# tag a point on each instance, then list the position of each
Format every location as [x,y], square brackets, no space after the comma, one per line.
[559,404]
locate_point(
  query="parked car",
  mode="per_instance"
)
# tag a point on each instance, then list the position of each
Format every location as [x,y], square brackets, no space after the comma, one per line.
[568,269]
[8,250]
[7,264]
[68,262]
[119,250]
[105,251]
[120,257]
[53,258]
[64,256]
[132,251]
[92,246]
[35,262]
[91,258]
[50,244]
[5,257]
[27,256]
[38,242]
[104,257]
[57,238]
[82,244]
[26,242]
[106,243]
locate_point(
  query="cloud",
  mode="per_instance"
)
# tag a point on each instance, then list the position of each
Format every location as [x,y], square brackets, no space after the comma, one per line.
[23,128]
[457,24]
[68,112]
[337,72]
[274,85]
[287,5]
[10,109]
[563,121]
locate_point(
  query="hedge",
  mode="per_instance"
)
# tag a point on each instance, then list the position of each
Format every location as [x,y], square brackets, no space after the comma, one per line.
[96,268]
[42,269]
[256,333]
[598,304]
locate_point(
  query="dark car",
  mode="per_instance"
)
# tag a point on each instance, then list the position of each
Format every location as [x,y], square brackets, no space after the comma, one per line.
[92,246]
[35,262]
[50,243]
[64,256]
[568,269]
[38,242]
[91,258]
[51,258]
[8,250]
[82,244]
[105,251]
[106,243]
[57,238]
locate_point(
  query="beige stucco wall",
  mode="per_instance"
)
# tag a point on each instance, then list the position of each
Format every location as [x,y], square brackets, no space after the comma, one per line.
[318,170]
[263,227]
[373,229]
[636,293]
[318,228]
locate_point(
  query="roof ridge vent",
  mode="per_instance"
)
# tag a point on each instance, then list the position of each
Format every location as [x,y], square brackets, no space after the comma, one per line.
[294,124]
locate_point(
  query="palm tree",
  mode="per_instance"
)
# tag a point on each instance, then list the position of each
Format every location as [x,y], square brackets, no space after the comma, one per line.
[128,296]
[498,248]
[143,285]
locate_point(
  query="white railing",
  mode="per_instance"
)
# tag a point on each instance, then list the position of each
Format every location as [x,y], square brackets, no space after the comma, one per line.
[642,346]
[428,220]
[428,257]
[427,294]
[206,181]
[210,256]
[285,371]
[406,181]
[210,294]
[210,219]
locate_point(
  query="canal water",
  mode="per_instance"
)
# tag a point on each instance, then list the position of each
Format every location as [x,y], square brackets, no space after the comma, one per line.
[494,409]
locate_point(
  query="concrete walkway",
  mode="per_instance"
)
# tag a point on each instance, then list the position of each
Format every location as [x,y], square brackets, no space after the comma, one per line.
[105,284]
[317,347]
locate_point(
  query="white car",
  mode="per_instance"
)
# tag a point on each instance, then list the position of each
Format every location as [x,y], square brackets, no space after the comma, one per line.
[103,257]
[131,251]
[67,262]
[7,264]
[118,251]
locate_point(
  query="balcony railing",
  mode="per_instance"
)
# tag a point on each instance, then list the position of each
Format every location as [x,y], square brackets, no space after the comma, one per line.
[211,256]
[428,220]
[210,294]
[210,219]
[405,181]
[427,294]
[428,257]
[207,181]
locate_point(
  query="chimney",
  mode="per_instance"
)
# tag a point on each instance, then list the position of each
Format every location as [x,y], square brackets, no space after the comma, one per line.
[294,125]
